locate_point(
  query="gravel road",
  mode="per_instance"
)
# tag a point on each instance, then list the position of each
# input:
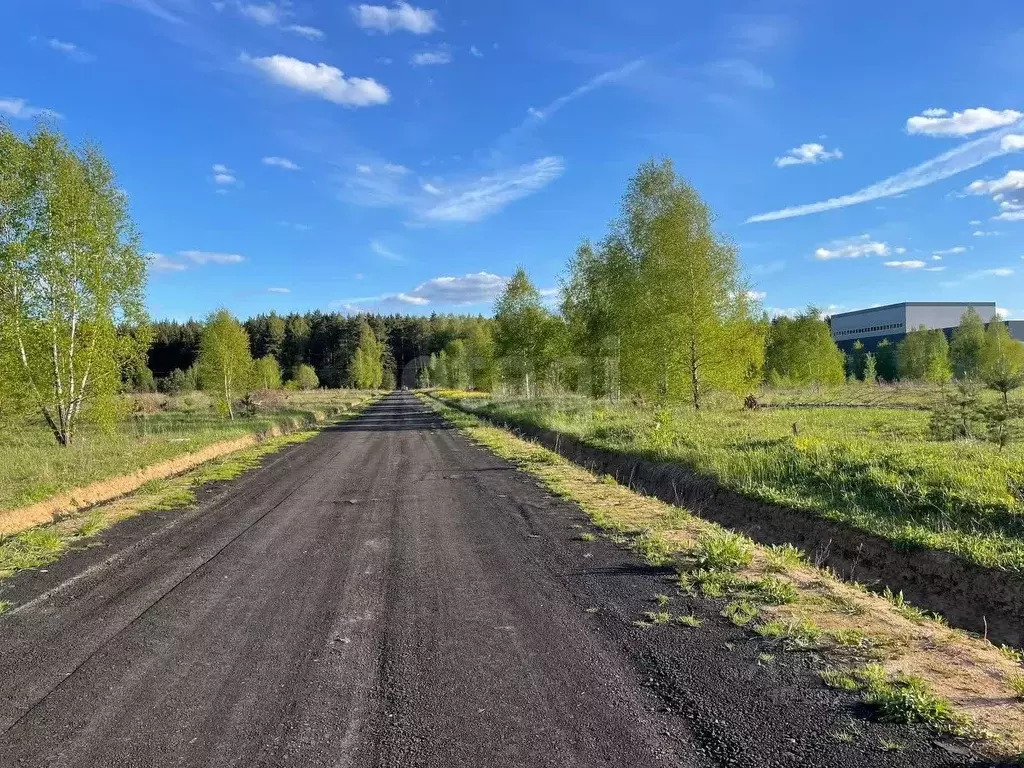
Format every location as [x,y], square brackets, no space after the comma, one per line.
[387,594]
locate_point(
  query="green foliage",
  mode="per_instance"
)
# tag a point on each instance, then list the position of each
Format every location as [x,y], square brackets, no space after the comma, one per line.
[959,414]
[689,621]
[304,378]
[965,349]
[801,351]
[740,612]
[267,373]
[856,361]
[367,366]
[723,550]
[1001,362]
[522,334]
[870,369]
[30,549]
[659,310]
[71,274]
[887,361]
[225,366]
[924,356]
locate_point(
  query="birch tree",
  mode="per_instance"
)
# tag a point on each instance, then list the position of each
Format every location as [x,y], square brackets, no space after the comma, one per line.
[225,364]
[71,275]
[367,367]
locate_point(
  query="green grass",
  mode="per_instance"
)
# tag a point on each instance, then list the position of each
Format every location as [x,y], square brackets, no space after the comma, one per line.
[689,621]
[875,469]
[1017,686]
[33,467]
[898,698]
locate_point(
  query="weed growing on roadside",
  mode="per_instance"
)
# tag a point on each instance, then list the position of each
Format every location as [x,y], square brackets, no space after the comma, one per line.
[765,659]
[840,680]
[30,549]
[1017,686]
[741,612]
[689,621]
[92,525]
[794,635]
[659,617]
[723,551]
[586,537]
[662,600]
[5,606]
[775,591]
[782,557]
[1013,654]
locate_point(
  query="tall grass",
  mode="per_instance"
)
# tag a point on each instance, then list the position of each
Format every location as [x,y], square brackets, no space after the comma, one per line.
[33,467]
[875,469]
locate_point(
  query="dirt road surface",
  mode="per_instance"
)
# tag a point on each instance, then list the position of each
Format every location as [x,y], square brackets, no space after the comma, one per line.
[388,594]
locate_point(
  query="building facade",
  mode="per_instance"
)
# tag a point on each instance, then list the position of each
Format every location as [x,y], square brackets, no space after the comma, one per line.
[894,321]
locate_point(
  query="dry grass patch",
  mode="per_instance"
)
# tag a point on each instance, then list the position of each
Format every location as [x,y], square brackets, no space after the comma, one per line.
[775,592]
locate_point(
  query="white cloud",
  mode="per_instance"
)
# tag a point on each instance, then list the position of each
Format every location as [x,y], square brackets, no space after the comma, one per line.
[430,58]
[1008,186]
[756,295]
[430,189]
[910,264]
[223,175]
[281,162]
[899,251]
[384,252]
[210,257]
[473,288]
[401,170]
[154,8]
[160,263]
[322,80]
[997,272]
[1005,314]
[477,199]
[70,50]
[957,160]
[279,290]
[402,17]
[362,168]
[808,153]
[476,52]
[938,122]
[1013,142]
[975,222]
[310,33]
[852,248]
[267,15]
[951,251]
[981,233]
[20,109]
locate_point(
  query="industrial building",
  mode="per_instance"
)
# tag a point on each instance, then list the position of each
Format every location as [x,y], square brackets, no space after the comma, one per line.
[894,321]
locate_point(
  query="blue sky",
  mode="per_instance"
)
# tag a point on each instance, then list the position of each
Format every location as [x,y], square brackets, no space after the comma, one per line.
[407,157]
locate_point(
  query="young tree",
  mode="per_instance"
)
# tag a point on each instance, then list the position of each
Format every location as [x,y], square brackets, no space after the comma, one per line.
[224,365]
[456,365]
[1001,362]
[687,320]
[480,351]
[856,360]
[367,367]
[801,351]
[70,273]
[519,331]
[589,312]
[924,356]
[267,373]
[304,377]
[870,369]
[965,349]
[886,361]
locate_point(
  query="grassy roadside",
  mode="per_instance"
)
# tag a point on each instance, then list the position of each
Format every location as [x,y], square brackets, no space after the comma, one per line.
[44,544]
[875,469]
[33,468]
[906,665]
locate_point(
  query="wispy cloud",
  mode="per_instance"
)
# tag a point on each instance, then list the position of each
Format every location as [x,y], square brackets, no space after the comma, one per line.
[402,17]
[384,252]
[808,154]
[185,259]
[431,58]
[281,162]
[310,33]
[1008,192]
[619,74]
[741,72]
[480,198]
[449,200]
[70,50]
[279,290]
[161,9]
[20,109]
[962,158]
[323,80]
